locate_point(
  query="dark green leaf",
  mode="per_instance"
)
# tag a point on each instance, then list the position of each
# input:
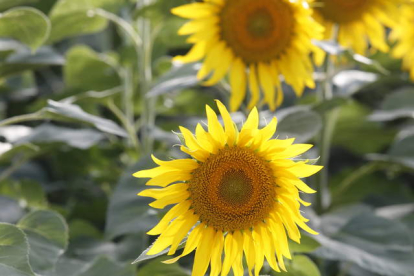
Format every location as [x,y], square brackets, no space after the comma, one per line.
[127,212]
[47,233]
[298,122]
[399,104]
[373,243]
[10,210]
[176,79]
[307,244]
[71,18]
[7,4]
[300,266]
[157,268]
[14,250]
[27,192]
[104,266]
[65,111]
[24,60]
[77,138]
[28,25]
[86,70]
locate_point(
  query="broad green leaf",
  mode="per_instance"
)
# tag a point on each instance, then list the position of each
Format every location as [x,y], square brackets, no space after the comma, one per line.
[373,243]
[28,25]
[403,151]
[23,60]
[10,210]
[399,104]
[307,244]
[127,212]
[300,265]
[83,228]
[7,4]
[104,266]
[87,70]
[73,17]
[157,268]
[349,82]
[63,111]
[177,78]
[298,122]
[27,192]
[101,266]
[47,234]
[77,138]
[354,132]
[14,250]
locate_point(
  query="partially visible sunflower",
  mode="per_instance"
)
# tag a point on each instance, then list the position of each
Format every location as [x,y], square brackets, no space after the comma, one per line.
[237,194]
[359,22]
[255,41]
[404,33]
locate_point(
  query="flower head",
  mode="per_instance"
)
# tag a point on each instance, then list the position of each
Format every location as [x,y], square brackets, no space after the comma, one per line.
[359,22]
[254,41]
[238,194]
[404,33]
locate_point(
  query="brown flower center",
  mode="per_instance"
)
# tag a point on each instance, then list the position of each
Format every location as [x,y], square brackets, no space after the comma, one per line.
[232,189]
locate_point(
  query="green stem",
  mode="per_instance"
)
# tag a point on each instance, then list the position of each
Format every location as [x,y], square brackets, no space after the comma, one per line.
[127,125]
[145,69]
[329,120]
[362,171]
[22,118]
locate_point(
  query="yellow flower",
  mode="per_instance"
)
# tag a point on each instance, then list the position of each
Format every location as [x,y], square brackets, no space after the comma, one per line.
[359,22]
[404,32]
[238,194]
[254,41]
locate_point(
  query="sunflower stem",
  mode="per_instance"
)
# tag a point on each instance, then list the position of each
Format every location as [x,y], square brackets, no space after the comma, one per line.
[329,119]
[147,122]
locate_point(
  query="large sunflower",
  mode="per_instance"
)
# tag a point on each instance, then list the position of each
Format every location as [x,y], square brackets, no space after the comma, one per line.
[359,22]
[238,194]
[404,33]
[255,41]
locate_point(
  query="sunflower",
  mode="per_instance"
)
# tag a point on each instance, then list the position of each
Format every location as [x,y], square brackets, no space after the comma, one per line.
[238,194]
[359,22]
[404,33]
[255,41]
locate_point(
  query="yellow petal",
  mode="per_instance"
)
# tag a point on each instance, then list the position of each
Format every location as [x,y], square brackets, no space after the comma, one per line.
[216,253]
[181,164]
[214,127]
[197,52]
[195,10]
[253,86]
[249,250]
[169,177]
[267,85]
[189,219]
[304,170]
[238,84]
[233,244]
[175,211]
[229,126]
[203,252]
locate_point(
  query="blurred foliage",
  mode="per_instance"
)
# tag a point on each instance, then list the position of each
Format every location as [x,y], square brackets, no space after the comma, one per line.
[75,100]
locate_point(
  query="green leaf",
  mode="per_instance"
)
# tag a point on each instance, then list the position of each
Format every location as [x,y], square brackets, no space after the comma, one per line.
[28,25]
[104,266]
[23,60]
[399,104]
[47,233]
[87,70]
[69,112]
[157,268]
[402,151]
[7,4]
[77,138]
[26,192]
[300,265]
[357,134]
[349,82]
[101,266]
[14,250]
[373,243]
[10,210]
[298,122]
[307,245]
[71,17]
[127,212]
[176,79]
